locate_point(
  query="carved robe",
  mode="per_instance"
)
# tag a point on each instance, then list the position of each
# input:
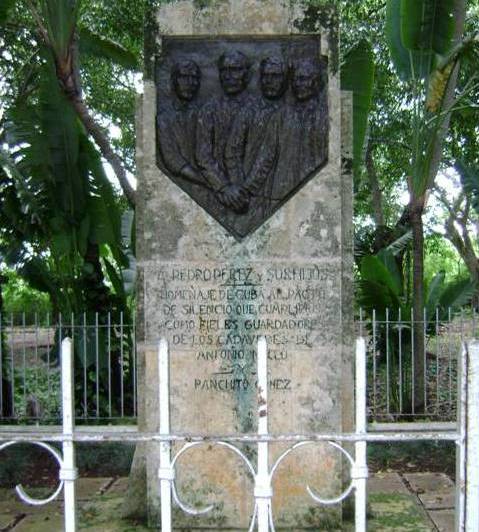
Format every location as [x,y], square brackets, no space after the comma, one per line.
[215,124]
[176,126]
[302,137]
[249,159]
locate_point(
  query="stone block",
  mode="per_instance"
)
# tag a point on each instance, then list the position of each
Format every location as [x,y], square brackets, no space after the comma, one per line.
[429,482]
[212,294]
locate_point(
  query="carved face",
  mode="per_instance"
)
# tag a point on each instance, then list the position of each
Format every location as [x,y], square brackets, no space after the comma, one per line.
[186,80]
[306,80]
[234,72]
[273,78]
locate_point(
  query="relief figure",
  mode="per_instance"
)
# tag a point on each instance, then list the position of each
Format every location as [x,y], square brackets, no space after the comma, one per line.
[176,123]
[302,129]
[250,153]
[215,123]
[242,148]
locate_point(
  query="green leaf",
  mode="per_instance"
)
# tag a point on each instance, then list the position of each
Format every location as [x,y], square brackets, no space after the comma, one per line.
[61,133]
[457,294]
[97,45]
[5,7]
[82,235]
[399,55]
[400,244]
[114,277]
[36,273]
[389,260]
[375,295]
[7,164]
[373,269]
[427,25]
[435,290]
[61,244]
[60,18]
[357,75]
[105,218]
[86,351]
[409,63]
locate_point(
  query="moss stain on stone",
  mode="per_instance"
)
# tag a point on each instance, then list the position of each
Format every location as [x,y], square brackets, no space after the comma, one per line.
[317,14]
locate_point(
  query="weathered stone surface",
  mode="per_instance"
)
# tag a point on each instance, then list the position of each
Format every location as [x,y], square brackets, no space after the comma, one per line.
[438,500]
[6,520]
[212,296]
[443,520]
[429,482]
[41,523]
[387,483]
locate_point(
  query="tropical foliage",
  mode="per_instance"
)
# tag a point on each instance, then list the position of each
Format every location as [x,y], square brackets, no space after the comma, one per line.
[70,71]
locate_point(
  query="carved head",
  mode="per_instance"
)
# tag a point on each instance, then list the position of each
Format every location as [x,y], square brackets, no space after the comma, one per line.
[273,77]
[186,78]
[306,79]
[234,68]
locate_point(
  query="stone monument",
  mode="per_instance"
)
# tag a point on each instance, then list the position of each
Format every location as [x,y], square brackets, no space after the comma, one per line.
[244,229]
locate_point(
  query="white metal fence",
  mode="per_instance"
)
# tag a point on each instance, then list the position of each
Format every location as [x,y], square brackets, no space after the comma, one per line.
[465,435]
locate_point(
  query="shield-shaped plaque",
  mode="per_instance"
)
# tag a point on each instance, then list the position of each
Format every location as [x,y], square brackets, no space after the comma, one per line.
[242,123]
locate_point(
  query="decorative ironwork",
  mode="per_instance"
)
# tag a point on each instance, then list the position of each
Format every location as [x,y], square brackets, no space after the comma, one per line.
[19,488]
[242,124]
[262,475]
[466,437]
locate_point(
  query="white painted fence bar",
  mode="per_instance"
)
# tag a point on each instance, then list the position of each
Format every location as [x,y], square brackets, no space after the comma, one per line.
[263,491]
[360,469]
[126,435]
[165,472]
[68,471]
[472,438]
[461,442]
[96,436]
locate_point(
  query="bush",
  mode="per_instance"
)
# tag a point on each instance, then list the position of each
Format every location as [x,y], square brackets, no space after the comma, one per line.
[19,297]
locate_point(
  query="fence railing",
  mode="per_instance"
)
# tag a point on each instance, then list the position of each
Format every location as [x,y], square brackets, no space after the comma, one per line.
[466,437]
[403,384]
[105,366]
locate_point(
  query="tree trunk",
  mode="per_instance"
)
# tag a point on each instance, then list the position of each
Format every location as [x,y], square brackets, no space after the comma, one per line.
[418,202]
[382,232]
[417,401]
[68,74]
[103,143]
[459,218]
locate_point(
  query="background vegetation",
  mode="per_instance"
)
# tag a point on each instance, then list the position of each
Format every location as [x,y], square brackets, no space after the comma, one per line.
[71,70]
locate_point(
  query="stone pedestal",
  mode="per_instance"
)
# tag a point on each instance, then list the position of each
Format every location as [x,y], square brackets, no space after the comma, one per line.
[212,295]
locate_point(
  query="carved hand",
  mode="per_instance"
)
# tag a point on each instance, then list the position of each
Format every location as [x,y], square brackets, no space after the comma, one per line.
[235,197]
[191,174]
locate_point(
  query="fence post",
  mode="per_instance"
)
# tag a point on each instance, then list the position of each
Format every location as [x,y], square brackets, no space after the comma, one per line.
[360,470]
[472,437]
[166,473]
[68,471]
[461,443]
[262,490]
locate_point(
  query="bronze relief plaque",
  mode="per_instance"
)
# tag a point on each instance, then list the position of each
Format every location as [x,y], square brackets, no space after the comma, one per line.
[242,123]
